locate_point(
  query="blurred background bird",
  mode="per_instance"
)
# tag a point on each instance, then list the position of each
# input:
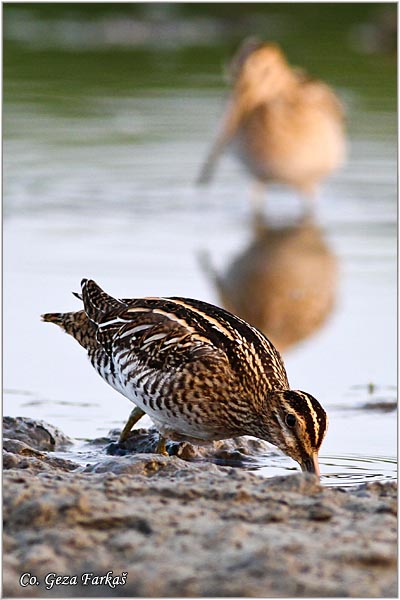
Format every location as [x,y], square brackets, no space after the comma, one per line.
[283,125]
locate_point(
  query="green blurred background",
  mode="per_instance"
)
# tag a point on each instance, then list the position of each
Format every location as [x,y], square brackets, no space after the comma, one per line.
[344,42]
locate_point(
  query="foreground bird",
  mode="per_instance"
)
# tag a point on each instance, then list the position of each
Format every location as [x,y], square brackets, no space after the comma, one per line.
[199,372]
[283,125]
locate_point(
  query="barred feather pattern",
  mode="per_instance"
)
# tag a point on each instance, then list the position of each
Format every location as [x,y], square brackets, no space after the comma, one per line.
[181,358]
[198,371]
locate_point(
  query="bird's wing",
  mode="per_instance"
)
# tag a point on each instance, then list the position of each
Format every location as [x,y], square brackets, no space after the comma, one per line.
[320,94]
[249,353]
[151,337]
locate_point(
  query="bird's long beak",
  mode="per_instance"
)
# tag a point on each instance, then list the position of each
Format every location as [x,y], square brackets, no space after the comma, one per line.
[310,464]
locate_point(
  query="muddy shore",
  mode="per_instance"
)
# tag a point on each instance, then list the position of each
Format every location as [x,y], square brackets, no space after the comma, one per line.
[167,527]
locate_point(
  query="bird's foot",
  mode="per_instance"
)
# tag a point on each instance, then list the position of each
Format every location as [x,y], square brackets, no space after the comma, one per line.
[136,414]
[161,447]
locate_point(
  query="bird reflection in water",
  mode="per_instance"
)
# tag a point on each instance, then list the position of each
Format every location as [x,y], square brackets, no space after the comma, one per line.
[284,282]
[283,125]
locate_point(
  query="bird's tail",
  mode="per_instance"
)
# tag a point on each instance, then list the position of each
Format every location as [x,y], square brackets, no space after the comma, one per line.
[56,318]
[76,324]
[97,302]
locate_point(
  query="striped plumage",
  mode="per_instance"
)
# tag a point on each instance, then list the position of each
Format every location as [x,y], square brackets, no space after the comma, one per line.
[283,125]
[198,371]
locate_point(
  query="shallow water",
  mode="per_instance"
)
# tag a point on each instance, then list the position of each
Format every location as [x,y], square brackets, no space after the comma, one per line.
[102,145]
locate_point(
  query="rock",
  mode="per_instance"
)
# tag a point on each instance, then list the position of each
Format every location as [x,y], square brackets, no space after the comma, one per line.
[36,434]
[238,451]
[191,529]
[142,464]
[19,455]
[17,447]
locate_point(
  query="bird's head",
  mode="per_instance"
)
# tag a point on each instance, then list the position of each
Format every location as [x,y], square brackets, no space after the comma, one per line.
[296,423]
[263,74]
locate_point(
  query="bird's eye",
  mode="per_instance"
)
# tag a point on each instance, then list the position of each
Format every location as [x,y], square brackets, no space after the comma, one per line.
[290,420]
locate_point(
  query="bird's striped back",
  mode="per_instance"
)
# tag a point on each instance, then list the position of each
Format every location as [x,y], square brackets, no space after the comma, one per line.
[248,350]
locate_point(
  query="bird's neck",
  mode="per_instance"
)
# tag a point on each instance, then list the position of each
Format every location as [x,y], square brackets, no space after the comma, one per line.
[252,93]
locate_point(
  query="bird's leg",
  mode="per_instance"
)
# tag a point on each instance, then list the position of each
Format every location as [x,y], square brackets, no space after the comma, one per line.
[256,197]
[161,447]
[134,417]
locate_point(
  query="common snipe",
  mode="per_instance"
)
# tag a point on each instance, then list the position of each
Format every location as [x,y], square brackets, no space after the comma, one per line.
[198,371]
[283,125]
